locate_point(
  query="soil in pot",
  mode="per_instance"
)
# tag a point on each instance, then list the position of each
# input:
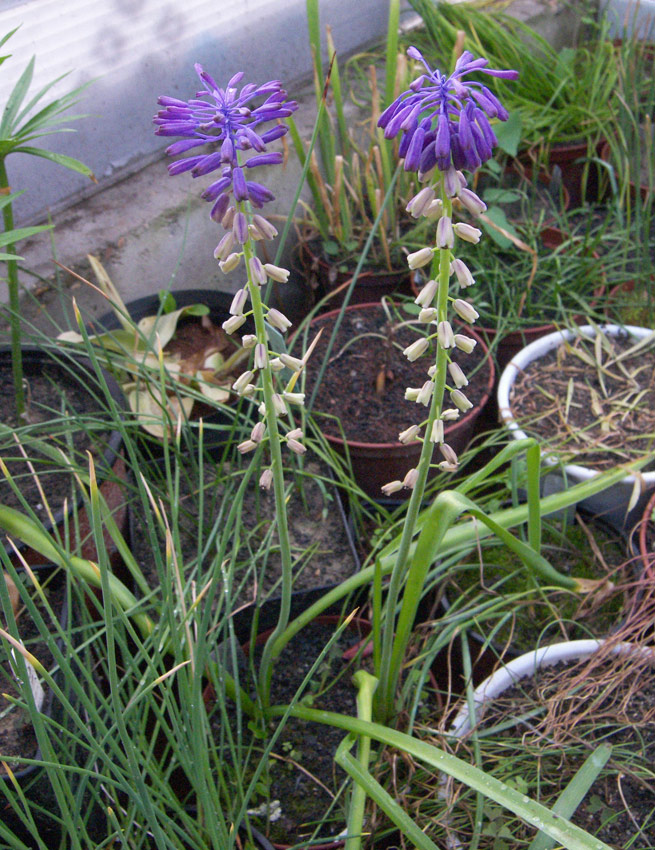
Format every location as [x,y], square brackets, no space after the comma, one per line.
[591,401]
[365,382]
[64,414]
[321,543]
[302,776]
[587,549]
[17,736]
[568,710]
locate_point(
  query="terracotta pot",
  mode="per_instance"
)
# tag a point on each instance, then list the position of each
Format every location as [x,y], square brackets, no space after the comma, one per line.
[110,465]
[375,464]
[614,303]
[326,279]
[572,160]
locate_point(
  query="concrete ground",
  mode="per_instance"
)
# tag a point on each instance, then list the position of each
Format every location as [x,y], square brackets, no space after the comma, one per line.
[152,231]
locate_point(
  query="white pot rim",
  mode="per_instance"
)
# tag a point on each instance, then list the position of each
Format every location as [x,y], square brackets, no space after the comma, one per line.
[540,347]
[526,665]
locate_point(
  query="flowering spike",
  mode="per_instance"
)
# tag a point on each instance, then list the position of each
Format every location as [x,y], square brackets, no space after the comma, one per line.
[443,117]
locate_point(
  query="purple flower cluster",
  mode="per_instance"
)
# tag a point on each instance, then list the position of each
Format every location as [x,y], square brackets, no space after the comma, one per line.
[228,122]
[445,121]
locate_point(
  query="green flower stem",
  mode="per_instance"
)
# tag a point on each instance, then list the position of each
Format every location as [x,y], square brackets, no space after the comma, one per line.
[275,446]
[393,650]
[366,685]
[12,285]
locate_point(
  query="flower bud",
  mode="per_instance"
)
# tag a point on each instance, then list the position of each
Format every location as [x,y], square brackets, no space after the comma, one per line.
[278,405]
[293,363]
[411,393]
[266,479]
[409,435]
[233,323]
[445,336]
[459,378]
[474,204]
[436,435]
[434,209]
[459,400]
[228,217]
[450,414]
[445,234]
[296,434]
[276,273]
[243,379]
[277,319]
[240,228]
[420,258]
[246,446]
[392,487]
[276,364]
[416,349]
[448,453]
[261,356]
[427,315]
[467,232]
[239,302]
[425,393]
[257,273]
[296,447]
[409,481]
[420,201]
[267,230]
[462,273]
[258,432]
[447,467]
[224,246]
[294,398]
[465,310]
[230,263]
[249,340]
[451,183]
[465,343]
[426,295]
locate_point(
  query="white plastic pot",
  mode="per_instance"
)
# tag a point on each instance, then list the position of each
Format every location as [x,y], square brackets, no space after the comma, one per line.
[612,503]
[520,668]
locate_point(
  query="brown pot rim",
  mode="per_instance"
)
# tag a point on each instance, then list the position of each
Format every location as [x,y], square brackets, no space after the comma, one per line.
[402,447]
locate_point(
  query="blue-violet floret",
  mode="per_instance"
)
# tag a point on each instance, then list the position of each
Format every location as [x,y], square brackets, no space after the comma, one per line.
[445,120]
[228,122]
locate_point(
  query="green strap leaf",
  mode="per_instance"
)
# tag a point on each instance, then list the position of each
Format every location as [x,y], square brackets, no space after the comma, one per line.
[60,159]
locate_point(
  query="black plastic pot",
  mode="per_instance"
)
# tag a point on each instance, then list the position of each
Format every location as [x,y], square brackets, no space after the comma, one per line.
[109,463]
[33,778]
[219,423]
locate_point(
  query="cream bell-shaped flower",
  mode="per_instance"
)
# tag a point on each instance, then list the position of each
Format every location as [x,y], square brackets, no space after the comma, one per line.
[459,400]
[416,349]
[467,232]
[427,294]
[409,435]
[266,479]
[465,343]
[233,324]
[420,258]
[392,487]
[459,378]
[276,273]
